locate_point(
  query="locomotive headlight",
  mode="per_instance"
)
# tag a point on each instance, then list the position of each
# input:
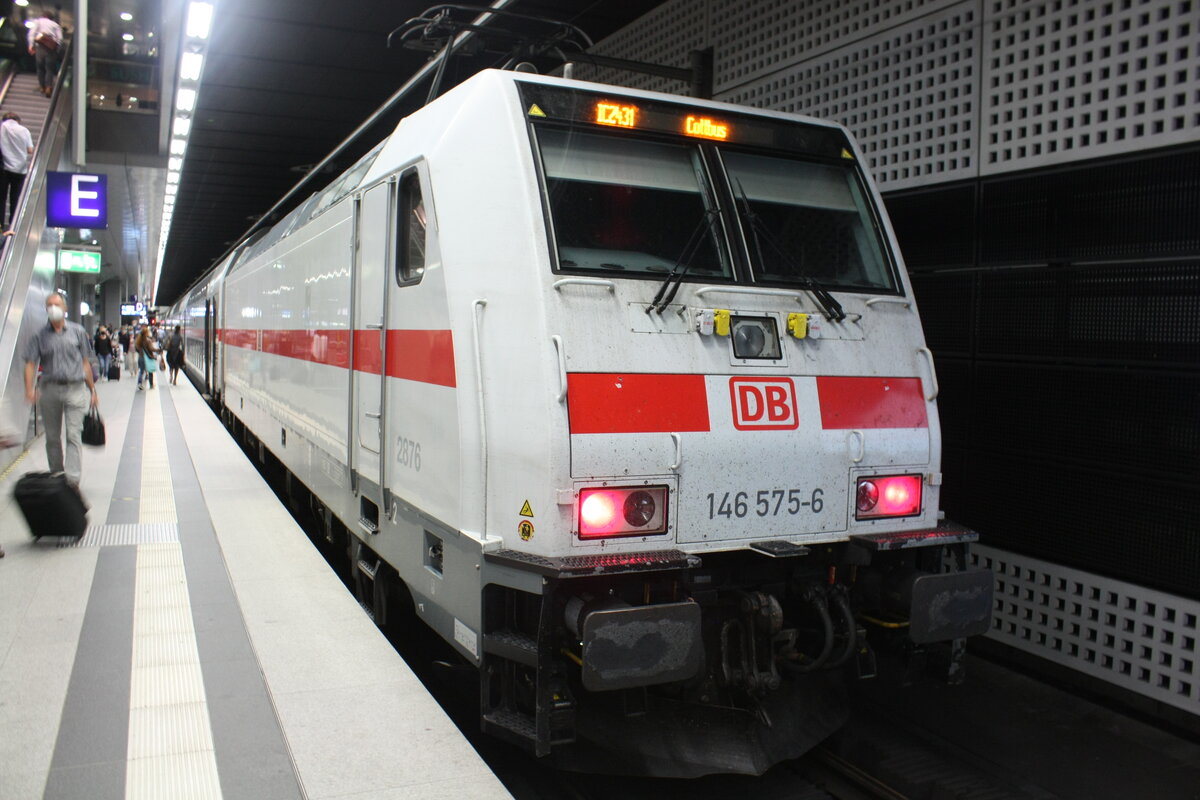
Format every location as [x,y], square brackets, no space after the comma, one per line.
[868,496]
[755,337]
[622,511]
[639,509]
[888,496]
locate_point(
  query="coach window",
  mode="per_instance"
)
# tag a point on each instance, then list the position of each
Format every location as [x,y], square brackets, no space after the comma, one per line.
[410,231]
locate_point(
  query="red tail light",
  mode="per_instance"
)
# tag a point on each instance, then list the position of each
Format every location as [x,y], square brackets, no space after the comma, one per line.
[626,511]
[888,496]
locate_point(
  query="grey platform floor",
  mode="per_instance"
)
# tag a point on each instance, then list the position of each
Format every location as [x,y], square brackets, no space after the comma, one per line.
[194,643]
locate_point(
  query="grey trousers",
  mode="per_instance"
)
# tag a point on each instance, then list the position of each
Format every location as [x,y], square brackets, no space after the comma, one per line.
[47,66]
[69,402]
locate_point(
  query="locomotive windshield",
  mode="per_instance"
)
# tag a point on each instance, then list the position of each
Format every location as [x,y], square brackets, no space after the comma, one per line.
[805,220]
[635,187]
[629,205]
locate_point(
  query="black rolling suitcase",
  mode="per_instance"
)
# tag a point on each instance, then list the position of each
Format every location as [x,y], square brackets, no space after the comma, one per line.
[50,505]
[114,371]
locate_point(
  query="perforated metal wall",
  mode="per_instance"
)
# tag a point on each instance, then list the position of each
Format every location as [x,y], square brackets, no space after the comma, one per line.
[1136,638]
[937,91]
[1073,79]
[909,94]
[1070,386]
[665,35]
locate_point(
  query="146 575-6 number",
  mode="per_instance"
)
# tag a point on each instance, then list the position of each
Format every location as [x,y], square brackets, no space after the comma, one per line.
[764,503]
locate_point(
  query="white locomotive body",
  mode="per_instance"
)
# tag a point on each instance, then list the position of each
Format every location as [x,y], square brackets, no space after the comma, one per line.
[628,392]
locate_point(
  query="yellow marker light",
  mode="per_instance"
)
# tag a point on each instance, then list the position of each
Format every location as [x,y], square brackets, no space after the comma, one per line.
[613,114]
[705,128]
[721,321]
[797,325]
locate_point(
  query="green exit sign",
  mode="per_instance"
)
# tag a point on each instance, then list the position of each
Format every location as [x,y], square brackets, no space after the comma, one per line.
[79,261]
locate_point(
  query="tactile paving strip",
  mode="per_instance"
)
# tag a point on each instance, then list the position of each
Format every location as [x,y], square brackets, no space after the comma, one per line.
[122,534]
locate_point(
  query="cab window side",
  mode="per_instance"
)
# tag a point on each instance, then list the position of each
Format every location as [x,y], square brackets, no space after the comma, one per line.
[411,230]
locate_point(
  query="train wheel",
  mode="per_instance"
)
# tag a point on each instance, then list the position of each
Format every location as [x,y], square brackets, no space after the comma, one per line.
[377,587]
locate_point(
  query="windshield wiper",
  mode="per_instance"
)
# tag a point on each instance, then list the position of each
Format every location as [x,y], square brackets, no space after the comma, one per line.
[670,287]
[829,304]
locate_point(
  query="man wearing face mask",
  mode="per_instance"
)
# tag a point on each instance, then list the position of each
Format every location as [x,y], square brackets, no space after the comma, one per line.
[62,348]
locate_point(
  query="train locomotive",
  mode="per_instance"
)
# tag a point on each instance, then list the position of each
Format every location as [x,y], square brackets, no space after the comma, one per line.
[626,396]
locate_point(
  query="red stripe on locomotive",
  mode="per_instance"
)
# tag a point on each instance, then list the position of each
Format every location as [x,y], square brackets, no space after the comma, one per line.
[425,356]
[856,402]
[636,403]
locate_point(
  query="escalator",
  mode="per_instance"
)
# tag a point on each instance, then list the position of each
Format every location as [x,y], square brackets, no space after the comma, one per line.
[28,257]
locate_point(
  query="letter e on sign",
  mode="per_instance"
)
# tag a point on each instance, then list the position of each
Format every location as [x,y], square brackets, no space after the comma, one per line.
[763,404]
[76,200]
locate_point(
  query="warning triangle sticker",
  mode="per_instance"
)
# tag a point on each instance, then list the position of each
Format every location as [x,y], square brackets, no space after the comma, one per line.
[847,154]
[526,511]
[535,111]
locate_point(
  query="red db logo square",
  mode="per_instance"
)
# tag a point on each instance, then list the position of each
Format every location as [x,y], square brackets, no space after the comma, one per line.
[763,404]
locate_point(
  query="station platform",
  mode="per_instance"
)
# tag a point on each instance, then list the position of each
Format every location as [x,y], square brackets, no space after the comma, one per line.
[194,644]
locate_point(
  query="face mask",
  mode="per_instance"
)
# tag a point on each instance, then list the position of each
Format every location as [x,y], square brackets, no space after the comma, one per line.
[55,313]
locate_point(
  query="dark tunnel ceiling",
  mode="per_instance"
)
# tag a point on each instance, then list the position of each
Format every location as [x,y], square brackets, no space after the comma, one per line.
[284,84]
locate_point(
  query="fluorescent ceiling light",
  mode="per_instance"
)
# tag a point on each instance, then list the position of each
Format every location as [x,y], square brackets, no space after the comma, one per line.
[190,65]
[175,164]
[185,99]
[178,147]
[125,15]
[182,126]
[127,37]
[172,177]
[199,20]
[171,190]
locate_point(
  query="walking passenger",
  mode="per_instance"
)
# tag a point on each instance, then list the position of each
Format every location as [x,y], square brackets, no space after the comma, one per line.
[175,354]
[126,338]
[104,350]
[63,351]
[147,356]
[16,146]
[45,38]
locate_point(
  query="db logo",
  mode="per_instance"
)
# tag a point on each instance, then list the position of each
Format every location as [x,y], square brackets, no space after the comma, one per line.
[763,404]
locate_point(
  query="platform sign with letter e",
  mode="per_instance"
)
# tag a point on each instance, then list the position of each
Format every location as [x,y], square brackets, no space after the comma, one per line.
[76,200]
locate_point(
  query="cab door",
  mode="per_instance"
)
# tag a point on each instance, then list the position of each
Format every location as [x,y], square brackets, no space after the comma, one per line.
[370,342]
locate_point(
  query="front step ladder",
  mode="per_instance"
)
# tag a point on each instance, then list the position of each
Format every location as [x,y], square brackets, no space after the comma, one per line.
[365,573]
[508,658]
